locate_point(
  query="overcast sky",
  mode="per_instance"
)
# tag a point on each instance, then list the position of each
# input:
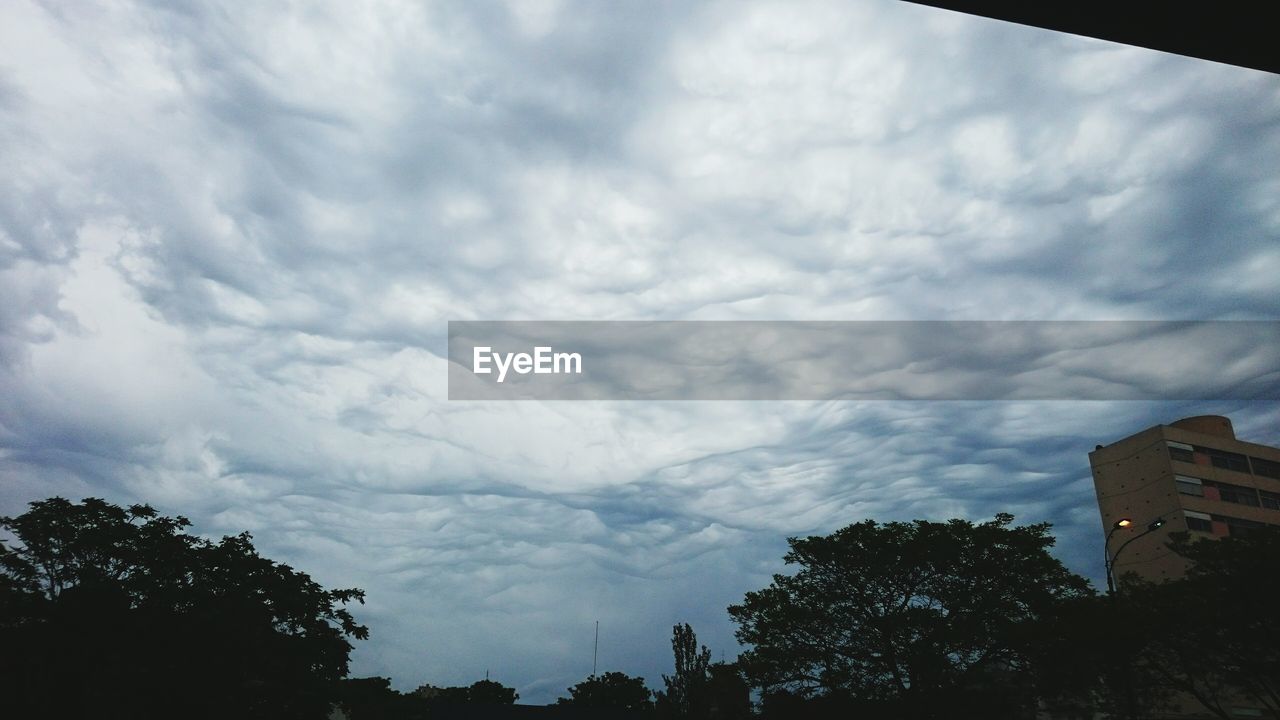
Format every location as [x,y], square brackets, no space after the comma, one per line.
[230,241]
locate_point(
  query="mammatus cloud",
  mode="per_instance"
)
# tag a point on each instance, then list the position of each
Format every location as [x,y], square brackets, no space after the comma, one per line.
[230,241]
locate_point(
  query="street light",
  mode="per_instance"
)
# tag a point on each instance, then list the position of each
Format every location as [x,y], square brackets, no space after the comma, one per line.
[1111,558]
[1123,522]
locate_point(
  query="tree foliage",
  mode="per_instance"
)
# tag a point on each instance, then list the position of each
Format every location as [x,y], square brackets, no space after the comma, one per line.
[611,691]
[727,692]
[483,692]
[373,698]
[925,618]
[1214,634]
[104,608]
[685,689]
[699,688]
[490,692]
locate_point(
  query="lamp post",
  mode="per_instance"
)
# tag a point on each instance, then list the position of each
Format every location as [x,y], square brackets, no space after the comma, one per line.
[1110,558]
[1120,524]
[1110,564]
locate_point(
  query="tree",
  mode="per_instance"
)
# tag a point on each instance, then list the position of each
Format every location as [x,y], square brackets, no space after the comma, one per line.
[373,698]
[611,691]
[1079,653]
[107,610]
[1213,634]
[448,695]
[685,690]
[922,619]
[485,692]
[728,694]
[491,693]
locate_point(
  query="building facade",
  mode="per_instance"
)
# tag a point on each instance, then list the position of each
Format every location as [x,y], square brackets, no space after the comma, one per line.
[1195,476]
[1192,476]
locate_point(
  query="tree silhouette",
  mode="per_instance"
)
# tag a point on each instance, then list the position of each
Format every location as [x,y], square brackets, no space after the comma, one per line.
[373,698]
[1214,634]
[611,691]
[919,619]
[108,611]
[491,693]
[685,692]
[728,694]
[483,692]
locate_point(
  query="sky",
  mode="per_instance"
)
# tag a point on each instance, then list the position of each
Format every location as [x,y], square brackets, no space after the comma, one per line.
[231,239]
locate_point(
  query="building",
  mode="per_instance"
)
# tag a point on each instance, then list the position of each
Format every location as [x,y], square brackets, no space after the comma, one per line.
[1190,476]
[1194,475]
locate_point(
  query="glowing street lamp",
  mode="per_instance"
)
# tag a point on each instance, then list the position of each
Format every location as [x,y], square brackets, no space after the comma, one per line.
[1111,558]
[1123,522]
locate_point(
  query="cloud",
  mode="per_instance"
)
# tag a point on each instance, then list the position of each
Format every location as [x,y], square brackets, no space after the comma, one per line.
[230,239]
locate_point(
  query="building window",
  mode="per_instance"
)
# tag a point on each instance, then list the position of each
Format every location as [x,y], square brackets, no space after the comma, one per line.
[1239,526]
[1269,499]
[1189,485]
[1265,468]
[1179,451]
[1237,494]
[1199,522]
[1225,460]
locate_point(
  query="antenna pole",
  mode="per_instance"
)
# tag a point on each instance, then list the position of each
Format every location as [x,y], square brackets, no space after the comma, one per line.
[595,652]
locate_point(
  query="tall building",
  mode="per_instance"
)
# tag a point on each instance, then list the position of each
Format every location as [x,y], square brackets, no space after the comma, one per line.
[1193,475]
